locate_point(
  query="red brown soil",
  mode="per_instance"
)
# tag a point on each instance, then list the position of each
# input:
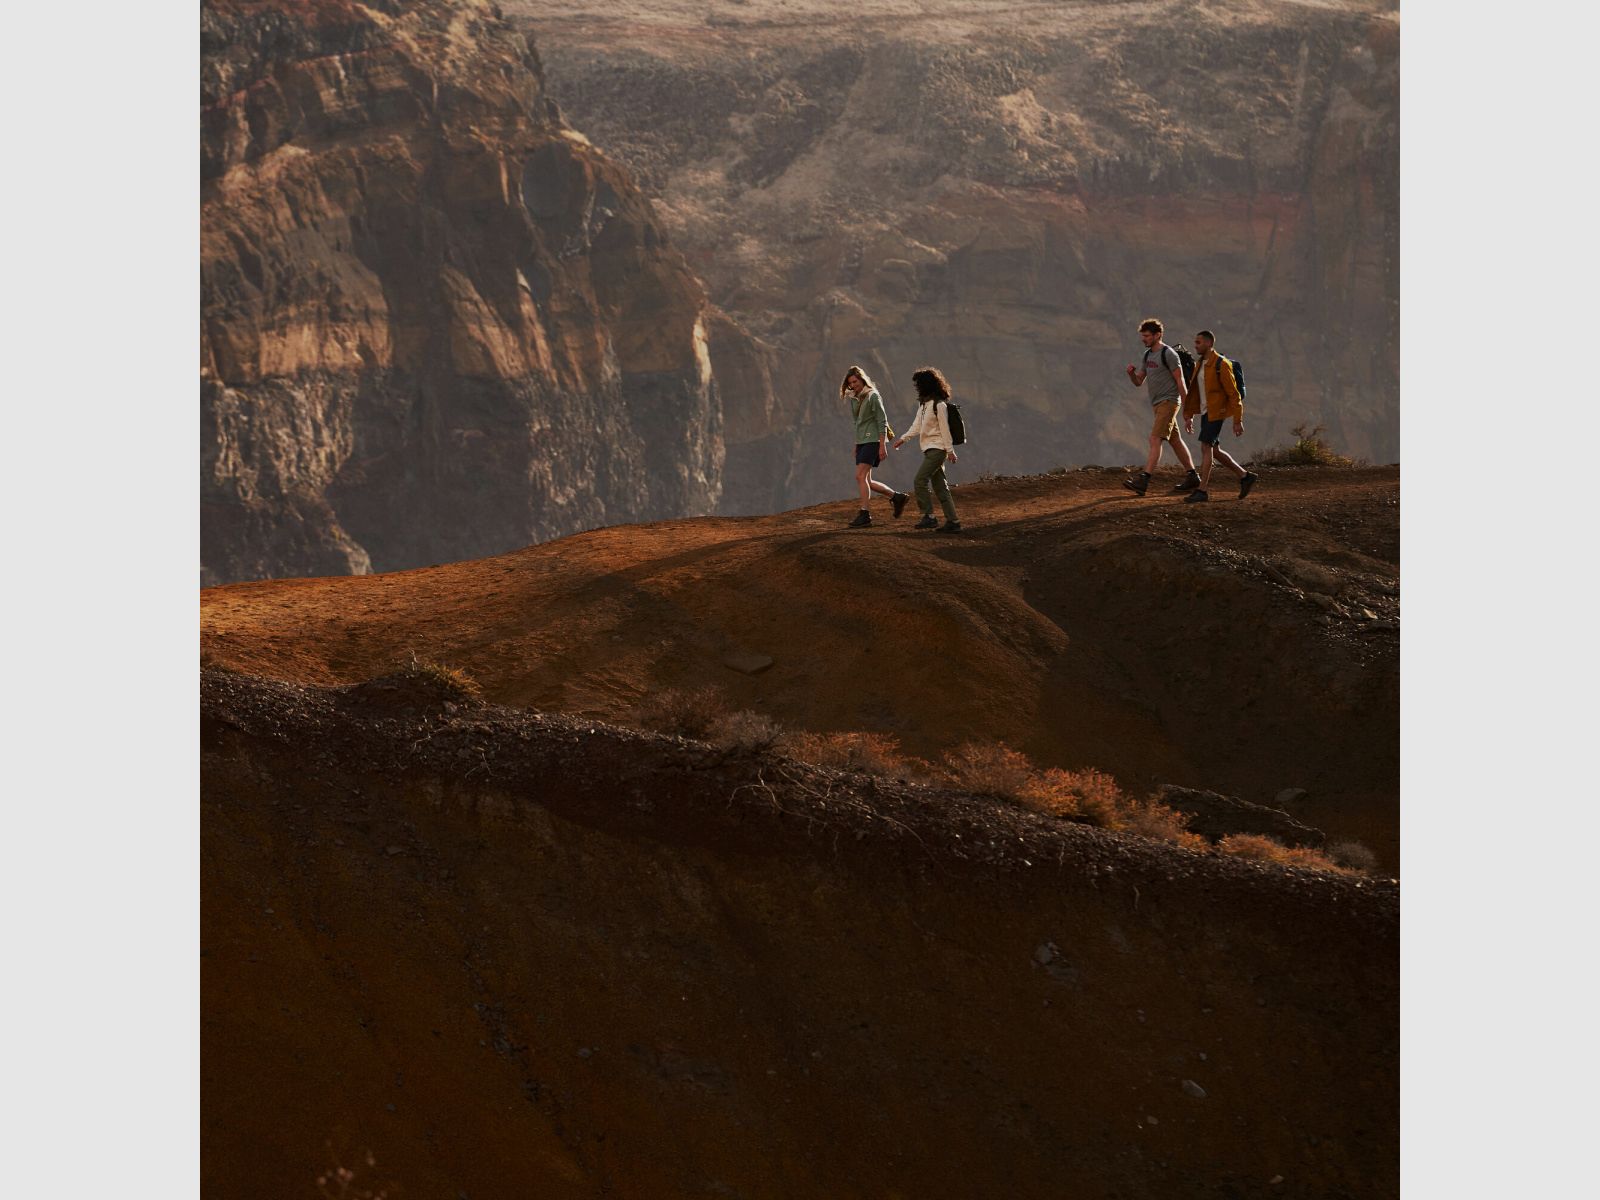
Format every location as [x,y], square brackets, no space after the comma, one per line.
[1225,646]
[511,954]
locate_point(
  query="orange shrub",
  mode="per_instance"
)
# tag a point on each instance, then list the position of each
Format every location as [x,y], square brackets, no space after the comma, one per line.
[1152,819]
[989,770]
[1090,796]
[870,753]
[1269,849]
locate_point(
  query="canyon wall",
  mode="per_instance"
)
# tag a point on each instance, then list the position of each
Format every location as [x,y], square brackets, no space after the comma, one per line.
[435,321]
[1005,191]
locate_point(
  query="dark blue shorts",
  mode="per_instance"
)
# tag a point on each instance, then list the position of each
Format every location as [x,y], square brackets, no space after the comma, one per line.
[1211,430]
[867,452]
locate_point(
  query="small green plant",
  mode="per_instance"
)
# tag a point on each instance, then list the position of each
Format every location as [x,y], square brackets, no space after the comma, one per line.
[1307,450]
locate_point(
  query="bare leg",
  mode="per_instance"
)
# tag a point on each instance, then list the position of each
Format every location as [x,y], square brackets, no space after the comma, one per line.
[1154,460]
[1181,449]
[1205,465]
[1230,462]
[863,474]
[883,489]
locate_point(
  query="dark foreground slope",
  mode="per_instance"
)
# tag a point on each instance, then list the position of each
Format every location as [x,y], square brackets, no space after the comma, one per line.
[475,951]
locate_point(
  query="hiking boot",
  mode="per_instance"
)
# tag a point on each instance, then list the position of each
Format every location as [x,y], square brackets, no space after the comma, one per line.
[949,527]
[1196,496]
[1189,482]
[863,519]
[927,522]
[899,502]
[1137,483]
[1247,482]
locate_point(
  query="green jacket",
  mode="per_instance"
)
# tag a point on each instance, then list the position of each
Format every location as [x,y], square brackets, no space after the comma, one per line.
[872,422]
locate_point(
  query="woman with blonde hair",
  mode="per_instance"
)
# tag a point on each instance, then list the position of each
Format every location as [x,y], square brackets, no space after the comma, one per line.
[872,442]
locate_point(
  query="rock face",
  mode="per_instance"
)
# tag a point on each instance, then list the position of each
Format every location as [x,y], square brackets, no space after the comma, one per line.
[436,322]
[1005,192]
[1215,817]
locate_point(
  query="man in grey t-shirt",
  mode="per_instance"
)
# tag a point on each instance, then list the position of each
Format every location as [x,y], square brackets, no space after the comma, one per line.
[1161,373]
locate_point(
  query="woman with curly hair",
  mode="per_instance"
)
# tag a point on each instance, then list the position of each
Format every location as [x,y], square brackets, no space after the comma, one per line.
[933,427]
[872,442]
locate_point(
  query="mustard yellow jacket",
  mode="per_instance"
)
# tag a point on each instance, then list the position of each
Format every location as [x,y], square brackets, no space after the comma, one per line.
[1222,393]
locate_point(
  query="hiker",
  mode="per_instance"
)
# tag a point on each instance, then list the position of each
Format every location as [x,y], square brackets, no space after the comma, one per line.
[1216,394]
[932,427]
[1167,389]
[872,442]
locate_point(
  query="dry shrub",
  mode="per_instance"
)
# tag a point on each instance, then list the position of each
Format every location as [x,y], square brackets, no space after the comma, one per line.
[1090,796]
[1307,450]
[438,677]
[1354,856]
[691,714]
[1269,849]
[745,732]
[1152,819]
[992,770]
[869,753]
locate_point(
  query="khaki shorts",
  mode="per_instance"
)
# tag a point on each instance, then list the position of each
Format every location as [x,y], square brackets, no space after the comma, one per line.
[1166,419]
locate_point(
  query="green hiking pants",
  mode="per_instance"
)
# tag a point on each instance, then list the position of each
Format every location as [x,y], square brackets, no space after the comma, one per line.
[932,471]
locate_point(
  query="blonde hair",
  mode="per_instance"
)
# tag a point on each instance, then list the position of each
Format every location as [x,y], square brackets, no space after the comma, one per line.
[844,384]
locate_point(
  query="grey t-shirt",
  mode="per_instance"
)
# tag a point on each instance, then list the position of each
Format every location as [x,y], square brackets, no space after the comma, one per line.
[1158,381]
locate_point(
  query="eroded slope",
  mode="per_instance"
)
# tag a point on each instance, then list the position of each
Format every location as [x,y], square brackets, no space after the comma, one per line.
[1244,648]
[510,954]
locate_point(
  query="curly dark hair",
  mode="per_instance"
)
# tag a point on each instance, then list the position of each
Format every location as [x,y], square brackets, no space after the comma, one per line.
[930,384]
[1151,325]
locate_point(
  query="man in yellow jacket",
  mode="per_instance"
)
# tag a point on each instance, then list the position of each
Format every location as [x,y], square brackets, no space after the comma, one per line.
[1214,391]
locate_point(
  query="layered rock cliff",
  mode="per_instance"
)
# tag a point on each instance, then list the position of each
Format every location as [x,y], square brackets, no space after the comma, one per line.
[436,322]
[1005,191]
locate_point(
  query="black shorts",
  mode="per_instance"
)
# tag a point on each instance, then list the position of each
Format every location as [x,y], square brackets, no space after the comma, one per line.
[867,452]
[1211,430]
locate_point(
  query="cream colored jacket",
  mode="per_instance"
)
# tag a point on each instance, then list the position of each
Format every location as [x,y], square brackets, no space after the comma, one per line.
[929,425]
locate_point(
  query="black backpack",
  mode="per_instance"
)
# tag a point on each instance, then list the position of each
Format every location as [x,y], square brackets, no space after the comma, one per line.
[953,422]
[1185,359]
